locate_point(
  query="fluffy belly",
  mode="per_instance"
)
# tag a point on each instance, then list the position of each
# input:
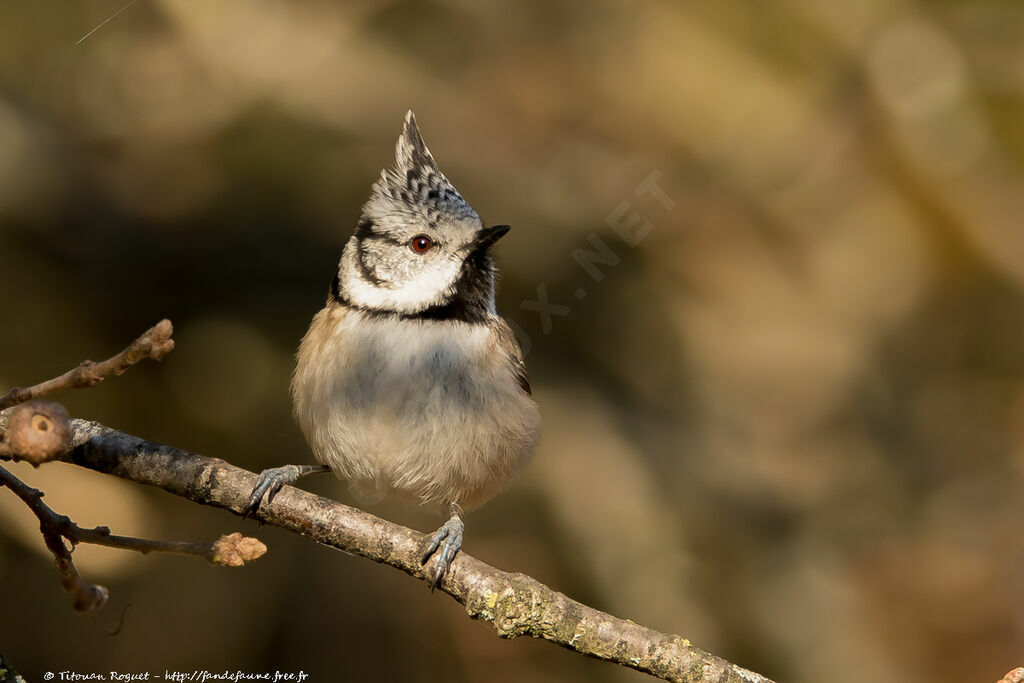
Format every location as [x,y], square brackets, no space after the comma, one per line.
[424,410]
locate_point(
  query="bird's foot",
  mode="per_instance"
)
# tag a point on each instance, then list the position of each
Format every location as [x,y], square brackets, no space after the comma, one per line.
[446,542]
[270,482]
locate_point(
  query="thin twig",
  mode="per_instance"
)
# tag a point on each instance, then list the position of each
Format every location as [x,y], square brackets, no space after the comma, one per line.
[155,343]
[88,596]
[515,604]
[230,550]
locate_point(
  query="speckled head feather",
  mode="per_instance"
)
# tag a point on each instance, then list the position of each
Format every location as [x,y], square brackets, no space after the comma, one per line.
[416,188]
[380,272]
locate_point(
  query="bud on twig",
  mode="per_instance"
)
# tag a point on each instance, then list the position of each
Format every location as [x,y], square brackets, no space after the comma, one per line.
[37,432]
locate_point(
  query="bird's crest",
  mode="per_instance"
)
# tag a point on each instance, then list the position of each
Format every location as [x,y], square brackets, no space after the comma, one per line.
[411,152]
[415,187]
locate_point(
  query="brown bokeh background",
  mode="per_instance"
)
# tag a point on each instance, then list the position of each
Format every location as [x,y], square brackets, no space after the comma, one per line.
[788,424]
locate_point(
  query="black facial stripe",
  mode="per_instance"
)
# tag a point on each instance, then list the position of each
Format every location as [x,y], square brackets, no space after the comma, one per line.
[364,228]
[368,273]
[364,231]
[383,238]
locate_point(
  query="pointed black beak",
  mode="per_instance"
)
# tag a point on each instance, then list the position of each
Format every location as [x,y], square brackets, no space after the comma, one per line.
[488,236]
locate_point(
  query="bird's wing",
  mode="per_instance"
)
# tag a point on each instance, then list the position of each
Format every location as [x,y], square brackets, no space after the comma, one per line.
[509,347]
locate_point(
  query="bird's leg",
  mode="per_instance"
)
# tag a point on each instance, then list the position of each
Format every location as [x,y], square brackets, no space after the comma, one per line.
[451,534]
[270,482]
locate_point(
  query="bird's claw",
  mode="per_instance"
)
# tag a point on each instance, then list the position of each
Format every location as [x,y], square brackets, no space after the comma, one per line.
[269,483]
[446,542]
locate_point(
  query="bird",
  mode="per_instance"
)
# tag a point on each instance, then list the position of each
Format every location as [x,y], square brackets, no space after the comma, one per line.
[408,384]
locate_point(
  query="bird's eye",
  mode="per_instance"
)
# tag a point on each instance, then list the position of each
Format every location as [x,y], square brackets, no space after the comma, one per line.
[421,244]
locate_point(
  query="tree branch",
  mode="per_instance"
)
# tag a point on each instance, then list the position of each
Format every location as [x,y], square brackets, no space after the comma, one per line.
[515,604]
[155,343]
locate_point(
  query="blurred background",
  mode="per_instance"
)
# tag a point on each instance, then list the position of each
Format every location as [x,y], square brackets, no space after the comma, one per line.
[784,418]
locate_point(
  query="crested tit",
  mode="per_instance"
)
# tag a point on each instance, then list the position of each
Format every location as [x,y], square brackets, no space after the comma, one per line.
[409,384]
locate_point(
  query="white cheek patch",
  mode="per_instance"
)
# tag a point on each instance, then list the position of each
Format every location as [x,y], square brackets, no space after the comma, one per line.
[433,286]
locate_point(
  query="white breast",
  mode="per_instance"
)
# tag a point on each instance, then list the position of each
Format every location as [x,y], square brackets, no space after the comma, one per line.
[423,409]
